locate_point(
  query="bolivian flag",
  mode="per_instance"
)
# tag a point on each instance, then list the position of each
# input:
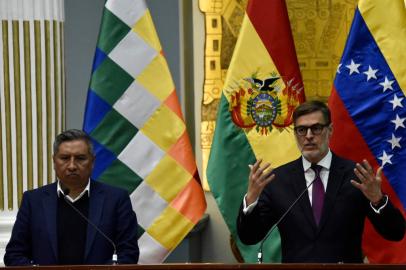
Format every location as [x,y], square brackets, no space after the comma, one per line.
[262,88]
[367,102]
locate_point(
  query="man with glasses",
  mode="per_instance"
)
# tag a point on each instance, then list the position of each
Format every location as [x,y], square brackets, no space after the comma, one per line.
[326,224]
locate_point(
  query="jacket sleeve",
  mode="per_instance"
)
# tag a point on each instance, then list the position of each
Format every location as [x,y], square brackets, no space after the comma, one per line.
[249,227]
[389,223]
[252,227]
[127,232]
[18,249]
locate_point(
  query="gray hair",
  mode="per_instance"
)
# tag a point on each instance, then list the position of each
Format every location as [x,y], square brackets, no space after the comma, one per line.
[73,135]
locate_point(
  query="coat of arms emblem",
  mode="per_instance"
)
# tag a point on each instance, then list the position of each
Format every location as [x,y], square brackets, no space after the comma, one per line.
[264,103]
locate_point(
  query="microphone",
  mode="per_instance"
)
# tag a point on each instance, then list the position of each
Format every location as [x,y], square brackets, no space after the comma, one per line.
[66,192]
[279,221]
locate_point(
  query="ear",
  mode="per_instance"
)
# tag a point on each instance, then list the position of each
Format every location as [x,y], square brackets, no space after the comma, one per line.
[93,160]
[330,129]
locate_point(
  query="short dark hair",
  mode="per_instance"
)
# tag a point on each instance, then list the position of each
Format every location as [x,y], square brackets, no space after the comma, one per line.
[73,135]
[312,106]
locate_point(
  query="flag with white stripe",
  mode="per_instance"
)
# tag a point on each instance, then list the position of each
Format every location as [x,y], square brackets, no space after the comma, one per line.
[141,143]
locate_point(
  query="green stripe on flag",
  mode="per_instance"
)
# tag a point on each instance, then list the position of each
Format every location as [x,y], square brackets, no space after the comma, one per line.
[108,129]
[227,175]
[112,31]
[128,179]
[140,230]
[110,81]
[126,53]
[227,168]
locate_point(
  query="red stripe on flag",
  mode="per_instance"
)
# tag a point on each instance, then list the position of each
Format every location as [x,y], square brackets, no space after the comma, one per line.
[357,150]
[270,20]
[344,127]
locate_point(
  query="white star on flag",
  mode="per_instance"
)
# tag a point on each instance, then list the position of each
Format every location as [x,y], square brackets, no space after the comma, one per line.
[371,73]
[353,67]
[338,68]
[398,122]
[394,141]
[385,158]
[387,84]
[396,102]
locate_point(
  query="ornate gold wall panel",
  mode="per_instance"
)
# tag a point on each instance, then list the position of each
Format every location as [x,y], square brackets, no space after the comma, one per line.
[320,30]
[319,27]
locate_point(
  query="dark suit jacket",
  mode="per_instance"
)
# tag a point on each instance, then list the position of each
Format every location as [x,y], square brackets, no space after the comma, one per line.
[338,237]
[34,235]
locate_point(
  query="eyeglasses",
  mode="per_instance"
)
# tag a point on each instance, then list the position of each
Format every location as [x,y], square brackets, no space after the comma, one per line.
[316,129]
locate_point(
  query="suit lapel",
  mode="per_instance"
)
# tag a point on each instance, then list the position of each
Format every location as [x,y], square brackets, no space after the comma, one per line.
[96,200]
[335,179]
[49,206]
[299,184]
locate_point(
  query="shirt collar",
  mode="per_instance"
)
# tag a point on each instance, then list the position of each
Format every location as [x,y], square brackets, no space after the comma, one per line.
[324,162]
[85,191]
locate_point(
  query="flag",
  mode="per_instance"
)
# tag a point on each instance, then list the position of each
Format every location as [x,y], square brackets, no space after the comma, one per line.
[134,119]
[262,87]
[367,103]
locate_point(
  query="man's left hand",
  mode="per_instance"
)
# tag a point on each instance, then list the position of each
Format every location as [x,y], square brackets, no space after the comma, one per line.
[369,183]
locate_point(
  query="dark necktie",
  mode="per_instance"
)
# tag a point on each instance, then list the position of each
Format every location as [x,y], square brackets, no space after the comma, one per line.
[317,194]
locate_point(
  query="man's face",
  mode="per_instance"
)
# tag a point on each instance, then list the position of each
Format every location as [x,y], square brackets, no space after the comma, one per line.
[73,163]
[312,146]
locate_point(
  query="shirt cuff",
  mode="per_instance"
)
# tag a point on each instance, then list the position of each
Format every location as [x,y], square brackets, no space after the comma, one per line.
[377,209]
[248,209]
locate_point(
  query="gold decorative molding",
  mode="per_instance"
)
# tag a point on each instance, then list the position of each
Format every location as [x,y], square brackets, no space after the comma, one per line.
[223,20]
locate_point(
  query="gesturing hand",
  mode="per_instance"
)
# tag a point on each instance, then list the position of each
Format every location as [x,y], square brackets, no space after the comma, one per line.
[369,183]
[259,177]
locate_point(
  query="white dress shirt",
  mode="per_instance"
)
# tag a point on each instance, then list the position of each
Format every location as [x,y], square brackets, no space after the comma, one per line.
[325,163]
[87,189]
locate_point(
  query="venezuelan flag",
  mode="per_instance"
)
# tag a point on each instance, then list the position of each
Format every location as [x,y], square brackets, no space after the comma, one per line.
[367,102]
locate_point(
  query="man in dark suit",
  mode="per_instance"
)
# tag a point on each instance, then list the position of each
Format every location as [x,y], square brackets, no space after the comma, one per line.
[49,231]
[326,224]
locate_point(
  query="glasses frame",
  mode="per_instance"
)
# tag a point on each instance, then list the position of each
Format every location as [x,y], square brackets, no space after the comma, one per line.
[316,129]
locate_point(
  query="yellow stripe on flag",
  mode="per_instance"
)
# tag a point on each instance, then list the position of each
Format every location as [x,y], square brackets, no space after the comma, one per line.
[170,218]
[144,27]
[156,78]
[164,128]
[159,178]
[248,62]
[386,20]
[278,147]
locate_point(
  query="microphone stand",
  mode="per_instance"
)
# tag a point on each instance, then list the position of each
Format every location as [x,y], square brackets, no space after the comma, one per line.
[114,258]
[260,259]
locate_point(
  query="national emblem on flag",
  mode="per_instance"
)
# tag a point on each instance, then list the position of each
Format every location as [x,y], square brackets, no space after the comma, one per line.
[264,104]
[262,88]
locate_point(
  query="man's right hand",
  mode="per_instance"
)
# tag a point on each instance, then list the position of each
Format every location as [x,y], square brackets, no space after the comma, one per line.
[259,177]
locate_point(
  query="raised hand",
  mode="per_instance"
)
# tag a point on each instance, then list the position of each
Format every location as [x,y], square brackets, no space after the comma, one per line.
[259,177]
[368,182]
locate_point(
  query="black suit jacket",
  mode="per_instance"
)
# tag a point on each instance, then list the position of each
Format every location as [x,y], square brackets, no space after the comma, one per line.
[338,236]
[34,236]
